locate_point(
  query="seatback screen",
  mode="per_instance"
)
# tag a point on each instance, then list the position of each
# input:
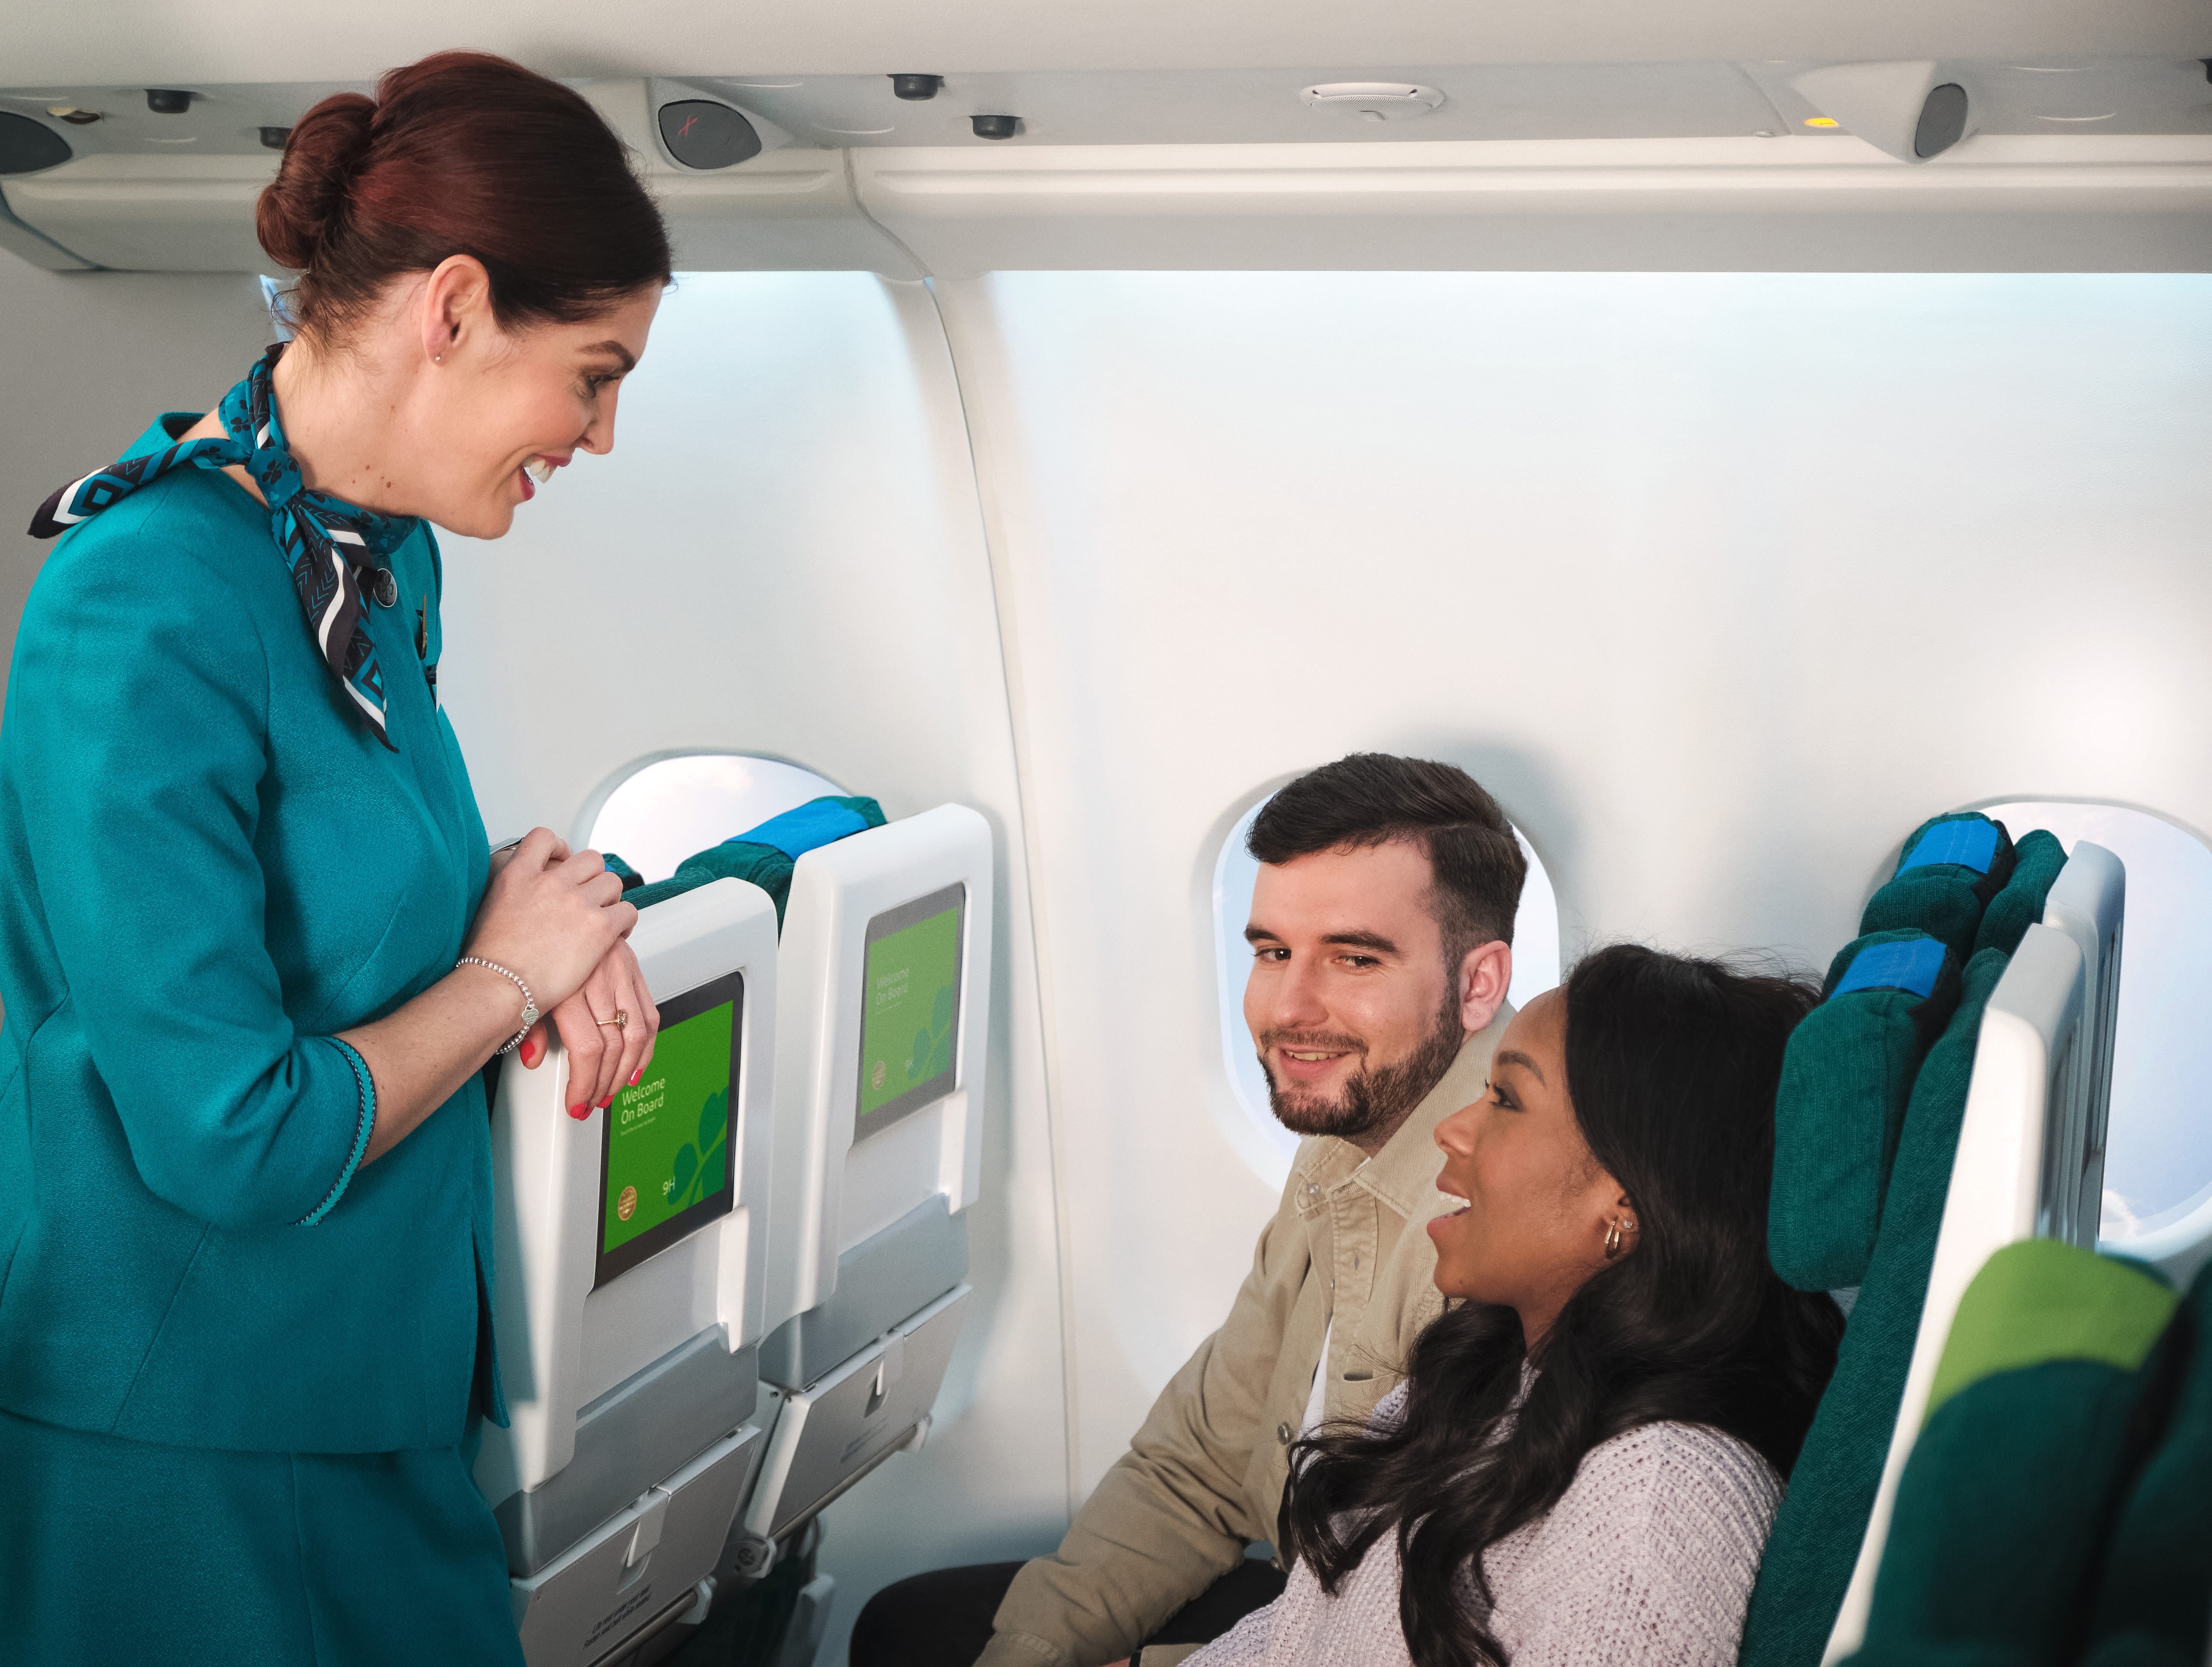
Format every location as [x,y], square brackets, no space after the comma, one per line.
[664,1164]
[910,1021]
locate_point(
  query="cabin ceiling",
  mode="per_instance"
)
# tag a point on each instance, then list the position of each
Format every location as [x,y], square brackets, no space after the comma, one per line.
[1589,134]
[1481,101]
[139,43]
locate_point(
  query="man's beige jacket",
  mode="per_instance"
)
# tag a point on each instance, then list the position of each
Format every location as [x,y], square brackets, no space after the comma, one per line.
[1204,1476]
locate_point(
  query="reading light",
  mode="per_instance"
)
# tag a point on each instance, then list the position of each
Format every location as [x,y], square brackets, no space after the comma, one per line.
[1911,110]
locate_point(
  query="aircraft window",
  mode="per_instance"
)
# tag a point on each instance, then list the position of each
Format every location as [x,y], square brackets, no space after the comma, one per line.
[2158,1144]
[658,811]
[1535,969]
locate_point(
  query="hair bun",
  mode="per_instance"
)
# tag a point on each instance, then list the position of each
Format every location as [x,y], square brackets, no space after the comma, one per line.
[308,195]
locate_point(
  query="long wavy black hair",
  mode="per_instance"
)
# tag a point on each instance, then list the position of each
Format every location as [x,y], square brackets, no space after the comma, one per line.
[1672,1065]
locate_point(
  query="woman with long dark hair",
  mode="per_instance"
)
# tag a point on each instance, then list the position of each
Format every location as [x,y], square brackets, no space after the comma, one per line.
[1587,1454]
[255,950]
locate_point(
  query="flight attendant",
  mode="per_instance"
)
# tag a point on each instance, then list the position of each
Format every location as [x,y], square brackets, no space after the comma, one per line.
[254,952]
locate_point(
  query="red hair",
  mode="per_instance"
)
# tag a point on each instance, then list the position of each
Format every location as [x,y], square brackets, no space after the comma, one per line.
[462,153]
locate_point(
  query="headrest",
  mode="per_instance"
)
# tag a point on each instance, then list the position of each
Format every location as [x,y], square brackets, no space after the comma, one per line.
[2150,1604]
[1846,1079]
[1951,868]
[818,822]
[765,855]
[2034,1426]
[2041,1299]
[2020,905]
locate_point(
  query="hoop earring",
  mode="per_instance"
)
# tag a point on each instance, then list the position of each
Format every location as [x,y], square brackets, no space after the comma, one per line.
[1613,1232]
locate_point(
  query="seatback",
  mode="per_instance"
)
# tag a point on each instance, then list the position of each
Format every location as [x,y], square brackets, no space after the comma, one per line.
[885,967]
[632,1294]
[1833,1486]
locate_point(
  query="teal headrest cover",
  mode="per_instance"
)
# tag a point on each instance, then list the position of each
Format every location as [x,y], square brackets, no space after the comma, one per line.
[1950,869]
[2020,905]
[1846,1079]
[766,854]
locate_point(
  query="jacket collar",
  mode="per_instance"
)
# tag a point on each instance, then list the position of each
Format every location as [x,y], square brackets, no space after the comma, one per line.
[1403,1174]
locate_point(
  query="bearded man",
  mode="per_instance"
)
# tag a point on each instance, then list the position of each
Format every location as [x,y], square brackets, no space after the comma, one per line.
[1381,930]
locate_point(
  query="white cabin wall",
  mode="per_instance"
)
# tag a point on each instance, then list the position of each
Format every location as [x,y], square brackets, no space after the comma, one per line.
[1722,582]
[89,360]
[783,556]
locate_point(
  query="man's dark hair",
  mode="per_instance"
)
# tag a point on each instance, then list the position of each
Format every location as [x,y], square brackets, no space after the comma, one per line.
[1372,797]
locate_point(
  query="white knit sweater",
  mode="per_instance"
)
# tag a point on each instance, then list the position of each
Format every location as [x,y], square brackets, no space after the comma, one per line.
[1647,1560]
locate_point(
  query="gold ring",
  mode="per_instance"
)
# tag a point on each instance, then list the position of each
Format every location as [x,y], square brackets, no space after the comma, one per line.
[618,1021]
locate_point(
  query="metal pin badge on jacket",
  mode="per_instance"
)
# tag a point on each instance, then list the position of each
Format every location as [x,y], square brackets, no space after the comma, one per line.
[383,587]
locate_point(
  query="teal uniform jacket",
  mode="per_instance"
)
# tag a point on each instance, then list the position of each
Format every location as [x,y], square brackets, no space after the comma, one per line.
[210,866]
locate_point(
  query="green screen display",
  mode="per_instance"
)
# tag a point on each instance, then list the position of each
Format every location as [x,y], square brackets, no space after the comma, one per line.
[667,1140]
[912,1002]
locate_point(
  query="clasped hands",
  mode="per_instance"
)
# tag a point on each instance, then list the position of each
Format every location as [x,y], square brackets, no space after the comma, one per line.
[557,918]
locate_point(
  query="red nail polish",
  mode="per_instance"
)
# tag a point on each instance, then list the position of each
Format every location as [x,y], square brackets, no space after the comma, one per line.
[529,1053]
[579,1112]
[636,1074]
[605,1103]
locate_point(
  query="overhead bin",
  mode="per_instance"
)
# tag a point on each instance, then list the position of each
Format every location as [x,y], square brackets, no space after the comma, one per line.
[1998,203]
[1654,167]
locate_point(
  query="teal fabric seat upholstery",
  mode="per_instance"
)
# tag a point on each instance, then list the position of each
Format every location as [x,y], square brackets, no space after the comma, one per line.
[1840,1109]
[2038,858]
[1823,1518]
[2153,1605]
[765,855]
[1950,869]
[2056,1368]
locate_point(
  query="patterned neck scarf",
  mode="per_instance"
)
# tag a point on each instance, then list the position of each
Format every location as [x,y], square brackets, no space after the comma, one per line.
[327,543]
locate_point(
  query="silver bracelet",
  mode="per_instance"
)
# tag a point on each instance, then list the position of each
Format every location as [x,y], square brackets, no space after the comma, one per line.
[529,1001]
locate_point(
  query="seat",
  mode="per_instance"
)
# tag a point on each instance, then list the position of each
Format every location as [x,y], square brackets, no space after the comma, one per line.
[1992,1139]
[632,1249]
[885,974]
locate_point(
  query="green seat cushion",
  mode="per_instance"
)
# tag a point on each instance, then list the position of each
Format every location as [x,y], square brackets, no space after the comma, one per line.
[1845,1081]
[2154,1601]
[2034,1430]
[752,856]
[1815,1542]
[2037,857]
[1950,869]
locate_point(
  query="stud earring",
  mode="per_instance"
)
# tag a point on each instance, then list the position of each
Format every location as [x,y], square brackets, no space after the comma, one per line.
[1619,1225]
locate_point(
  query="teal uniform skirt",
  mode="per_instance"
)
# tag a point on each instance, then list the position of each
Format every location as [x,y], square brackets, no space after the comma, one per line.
[124,1552]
